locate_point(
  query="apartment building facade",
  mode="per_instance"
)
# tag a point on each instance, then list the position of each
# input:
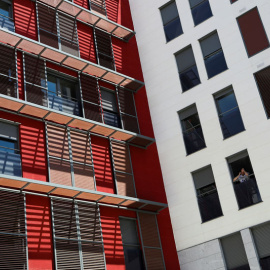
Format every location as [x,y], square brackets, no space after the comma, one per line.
[80,180]
[206,66]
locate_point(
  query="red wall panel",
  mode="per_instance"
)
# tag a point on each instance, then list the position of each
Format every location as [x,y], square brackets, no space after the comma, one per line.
[32,145]
[39,233]
[111,232]
[253,32]
[86,42]
[25,18]
[20,75]
[62,69]
[102,164]
[82,3]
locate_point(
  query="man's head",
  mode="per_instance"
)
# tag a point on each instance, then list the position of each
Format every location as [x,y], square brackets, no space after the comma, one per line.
[243,171]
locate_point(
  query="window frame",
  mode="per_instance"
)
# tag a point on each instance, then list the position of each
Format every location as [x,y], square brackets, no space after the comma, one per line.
[191,8]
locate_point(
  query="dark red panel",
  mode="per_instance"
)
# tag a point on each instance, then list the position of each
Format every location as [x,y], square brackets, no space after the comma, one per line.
[39,233]
[233,1]
[86,42]
[25,18]
[253,32]
[112,239]
[20,75]
[102,164]
[62,69]
[82,3]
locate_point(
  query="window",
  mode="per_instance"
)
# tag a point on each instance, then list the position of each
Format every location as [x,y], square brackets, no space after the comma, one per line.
[207,195]
[6,15]
[234,252]
[104,49]
[233,1]
[201,10]
[213,55]
[244,180]
[98,6]
[253,32]
[63,95]
[171,21]
[228,113]
[187,68]
[110,108]
[192,130]
[57,29]
[263,81]
[261,236]
[10,157]
[131,244]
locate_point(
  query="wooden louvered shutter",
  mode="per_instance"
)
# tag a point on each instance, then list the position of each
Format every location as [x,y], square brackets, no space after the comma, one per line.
[234,251]
[150,238]
[35,80]
[82,162]
[13,253]
[263,82]
[8,67]
[90,96]
[261,235]
[60,171]
[128,110]
[91,237]
[123,171]
[98,6]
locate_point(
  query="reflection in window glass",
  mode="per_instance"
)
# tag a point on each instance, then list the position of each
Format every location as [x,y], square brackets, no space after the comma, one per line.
[201,10]
[6,15]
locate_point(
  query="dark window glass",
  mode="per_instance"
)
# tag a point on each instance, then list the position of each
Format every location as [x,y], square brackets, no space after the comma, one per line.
[10,158]
[131,244]
[207,195]
[110,108]
[201,10]
[233,1]
[192,130]
[261,236]
[244,180]
[229,114]
[253,32]
[188,72]
[6,15]
[213,55]
[263,82]
[63,95]
[171,21]
[234,252]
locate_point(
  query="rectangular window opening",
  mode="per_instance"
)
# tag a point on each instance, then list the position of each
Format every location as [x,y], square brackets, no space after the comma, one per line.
[200,10]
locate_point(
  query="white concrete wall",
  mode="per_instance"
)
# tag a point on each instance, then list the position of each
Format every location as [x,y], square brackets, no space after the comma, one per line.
[166,98]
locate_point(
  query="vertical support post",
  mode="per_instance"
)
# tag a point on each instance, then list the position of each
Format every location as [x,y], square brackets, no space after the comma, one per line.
[81,95]
[37,22]
[70,157]
[58,30]
[95,41]
[119,107]
[100,102]
[76,29]
[132,170]
[46,82]
[140,231]
[136,112]
[26,239]
[114,66]
[92,160]
[47,150]
[24,77]
[113,166]
[53,230]
[17,79]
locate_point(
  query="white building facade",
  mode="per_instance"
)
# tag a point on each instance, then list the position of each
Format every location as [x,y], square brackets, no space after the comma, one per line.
[207,78]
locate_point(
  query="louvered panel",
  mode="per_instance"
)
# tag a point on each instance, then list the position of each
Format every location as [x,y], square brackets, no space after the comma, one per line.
[92,112]
[12,219]
[93,258]
[64,219]
[98,6]
[7,61]
[89,217]
[34,70]
[89,89]
[103,42]
[130,123]
[80,147]
[126,101]
[60,172]
[8,86]
[84,176]
[154,259]
[125,186]
[36,95]
[47,18]
[149,230]
[58,142]
[13,252]
[67,255]
[121,157]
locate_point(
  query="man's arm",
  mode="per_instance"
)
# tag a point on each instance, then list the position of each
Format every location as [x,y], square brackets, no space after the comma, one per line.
[236,178]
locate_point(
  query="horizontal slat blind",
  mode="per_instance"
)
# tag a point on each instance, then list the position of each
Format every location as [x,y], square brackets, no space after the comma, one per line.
[203,177]
[261,235]
[185,59]
[210,44]
[13,254]
[98,6]
[150,238]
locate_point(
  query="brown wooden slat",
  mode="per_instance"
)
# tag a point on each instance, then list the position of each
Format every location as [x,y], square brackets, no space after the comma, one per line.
[84,176]
[154,260]
[125,185]
[60,172]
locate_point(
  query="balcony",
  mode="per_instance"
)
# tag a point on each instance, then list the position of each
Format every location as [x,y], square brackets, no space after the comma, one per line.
[247,193]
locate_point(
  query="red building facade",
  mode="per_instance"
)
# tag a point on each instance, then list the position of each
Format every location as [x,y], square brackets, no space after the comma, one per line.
[81,184]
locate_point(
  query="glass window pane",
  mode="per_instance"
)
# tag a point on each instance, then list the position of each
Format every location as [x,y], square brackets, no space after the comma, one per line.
[5,9]
[210,44]
[189,78]
[109,100]
[194,140]
[173,29]
[169,12]
[112,119]
[129,232]
[215,64]
[191,122]
[8,146]
[133,258]
[201,12]
[226,102]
